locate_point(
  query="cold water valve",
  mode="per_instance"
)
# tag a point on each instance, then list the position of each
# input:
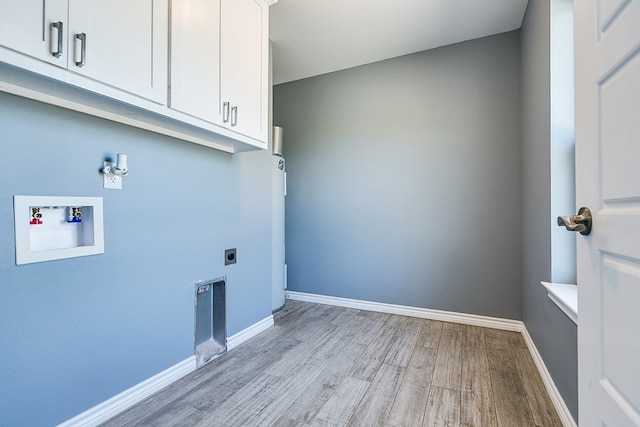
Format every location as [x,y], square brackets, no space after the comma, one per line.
[75,214]
[36,216]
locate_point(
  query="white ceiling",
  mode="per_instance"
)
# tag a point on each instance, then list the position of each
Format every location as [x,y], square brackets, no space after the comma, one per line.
[312,37]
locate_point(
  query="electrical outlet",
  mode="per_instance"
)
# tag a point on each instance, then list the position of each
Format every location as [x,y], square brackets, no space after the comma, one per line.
[230,256]
[113,182]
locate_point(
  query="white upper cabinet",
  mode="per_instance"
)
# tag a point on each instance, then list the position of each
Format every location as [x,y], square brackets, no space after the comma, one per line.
[121,43]
[219,63]
[195,58]
[118,43]
[197,70]
[244,62]
[36,28]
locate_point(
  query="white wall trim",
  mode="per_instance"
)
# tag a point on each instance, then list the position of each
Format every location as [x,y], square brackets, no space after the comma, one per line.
[250,332]
[424,313]
[467,319]
[565,296]
[554,393]
[122,401]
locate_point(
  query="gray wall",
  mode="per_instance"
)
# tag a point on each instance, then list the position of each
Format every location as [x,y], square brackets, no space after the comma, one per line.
[404,179]
[554,334]
[75,332]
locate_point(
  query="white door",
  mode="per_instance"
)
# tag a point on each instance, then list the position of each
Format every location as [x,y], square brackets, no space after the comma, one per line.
[125,44]
[244,58]
[195,58]
[607,42]
[36,28]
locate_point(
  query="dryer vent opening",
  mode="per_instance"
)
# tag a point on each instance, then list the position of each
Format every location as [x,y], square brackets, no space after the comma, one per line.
[210,320]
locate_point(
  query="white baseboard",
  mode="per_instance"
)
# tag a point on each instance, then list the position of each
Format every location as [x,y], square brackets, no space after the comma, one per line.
[552,390]
[448,316]
[250,332]
[404,310]
[120,402]
[123,401]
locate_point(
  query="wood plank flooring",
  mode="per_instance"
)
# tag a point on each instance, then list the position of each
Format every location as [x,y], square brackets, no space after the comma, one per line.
[330,366]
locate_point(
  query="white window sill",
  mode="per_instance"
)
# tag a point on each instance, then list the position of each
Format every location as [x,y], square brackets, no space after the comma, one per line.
[565,296]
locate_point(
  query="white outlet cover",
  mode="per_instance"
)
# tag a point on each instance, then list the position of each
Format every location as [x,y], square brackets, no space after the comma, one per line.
[113,182]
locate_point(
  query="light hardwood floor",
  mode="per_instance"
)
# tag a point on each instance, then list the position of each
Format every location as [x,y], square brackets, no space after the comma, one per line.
[331,366]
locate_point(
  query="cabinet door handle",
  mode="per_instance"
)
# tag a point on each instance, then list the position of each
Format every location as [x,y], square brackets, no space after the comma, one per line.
[81,49]
[56,42]
[234,115]
[225,112]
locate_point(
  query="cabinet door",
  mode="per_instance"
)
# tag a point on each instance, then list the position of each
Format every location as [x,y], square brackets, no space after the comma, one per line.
[244,61]
[26,27]
[195,58]
[125,44]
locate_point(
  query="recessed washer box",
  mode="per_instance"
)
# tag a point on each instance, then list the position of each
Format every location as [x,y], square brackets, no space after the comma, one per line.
[51,227]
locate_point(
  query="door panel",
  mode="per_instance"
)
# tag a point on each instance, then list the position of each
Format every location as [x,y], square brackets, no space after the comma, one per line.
[620,125]
[608,11]
[620,294]
[607,175]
